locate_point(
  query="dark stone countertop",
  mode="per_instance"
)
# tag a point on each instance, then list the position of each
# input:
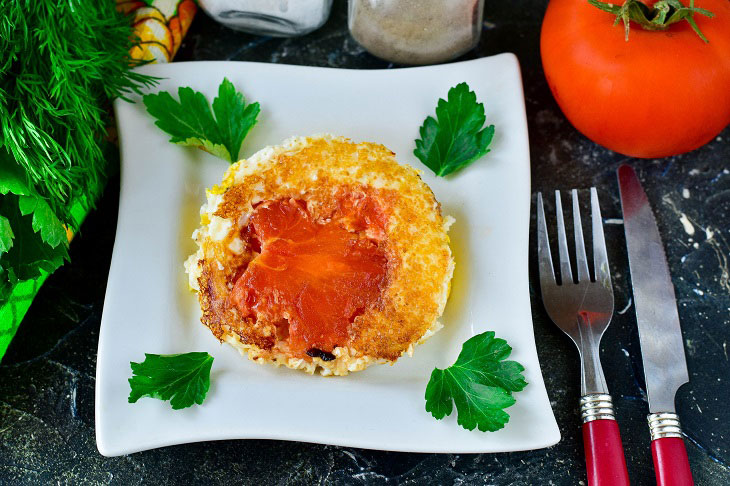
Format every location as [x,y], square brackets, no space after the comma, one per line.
[47,376]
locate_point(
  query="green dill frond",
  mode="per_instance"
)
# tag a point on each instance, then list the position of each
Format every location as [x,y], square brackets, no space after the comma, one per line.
[61,64]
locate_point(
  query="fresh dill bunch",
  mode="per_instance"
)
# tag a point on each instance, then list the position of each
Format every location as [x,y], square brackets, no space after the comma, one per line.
[61,62]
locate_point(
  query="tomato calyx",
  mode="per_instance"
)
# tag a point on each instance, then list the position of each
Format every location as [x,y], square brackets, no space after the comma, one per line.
[658,17]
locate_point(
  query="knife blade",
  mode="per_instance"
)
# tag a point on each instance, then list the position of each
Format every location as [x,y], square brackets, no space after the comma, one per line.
[662,349]
[660,335]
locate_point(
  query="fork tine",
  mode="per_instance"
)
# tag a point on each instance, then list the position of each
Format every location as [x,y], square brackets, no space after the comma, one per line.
[600,257]
[566,275]
[580,248]
[544,257]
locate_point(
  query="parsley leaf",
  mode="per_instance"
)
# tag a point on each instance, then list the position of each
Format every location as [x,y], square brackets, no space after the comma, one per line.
[29,254]
[12,179]
[184,379]
[32,238]
[191,121]
[455,138]
[6,234]
[45,222]
[480,383]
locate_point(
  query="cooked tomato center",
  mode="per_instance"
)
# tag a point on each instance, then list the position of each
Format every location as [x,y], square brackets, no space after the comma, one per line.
[316,275]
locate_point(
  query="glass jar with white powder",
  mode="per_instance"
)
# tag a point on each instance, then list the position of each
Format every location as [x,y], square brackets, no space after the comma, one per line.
[277,18]
[416,31]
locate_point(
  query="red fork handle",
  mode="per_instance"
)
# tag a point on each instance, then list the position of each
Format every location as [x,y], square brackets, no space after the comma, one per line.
[671,464]
[605,462]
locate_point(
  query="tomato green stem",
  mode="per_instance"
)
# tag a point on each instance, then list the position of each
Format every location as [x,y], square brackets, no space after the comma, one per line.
[658,17]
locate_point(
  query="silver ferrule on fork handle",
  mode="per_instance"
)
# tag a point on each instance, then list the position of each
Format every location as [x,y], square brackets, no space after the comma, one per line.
[663,425]
[596,406]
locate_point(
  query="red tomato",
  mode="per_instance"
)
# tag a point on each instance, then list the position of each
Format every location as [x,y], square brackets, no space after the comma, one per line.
[660,93]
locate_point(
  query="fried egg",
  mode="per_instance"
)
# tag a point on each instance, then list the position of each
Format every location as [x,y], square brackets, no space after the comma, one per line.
[322,254]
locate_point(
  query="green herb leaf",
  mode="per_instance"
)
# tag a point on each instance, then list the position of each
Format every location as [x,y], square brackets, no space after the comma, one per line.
[235,118]
[29,254]
[44,220]
[6,234]
[191,122]
[480,383]
[455,138]
[12,181]
[184,379]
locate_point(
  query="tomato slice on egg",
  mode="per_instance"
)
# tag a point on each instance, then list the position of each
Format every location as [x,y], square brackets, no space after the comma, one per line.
[317,276]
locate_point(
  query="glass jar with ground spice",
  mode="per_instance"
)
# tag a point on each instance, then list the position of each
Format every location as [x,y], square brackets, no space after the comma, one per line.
[416,31]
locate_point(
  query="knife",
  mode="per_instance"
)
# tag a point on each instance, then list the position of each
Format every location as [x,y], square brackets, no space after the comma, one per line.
[662,349]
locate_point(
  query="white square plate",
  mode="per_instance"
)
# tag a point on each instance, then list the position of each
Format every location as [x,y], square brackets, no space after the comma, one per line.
[148,307]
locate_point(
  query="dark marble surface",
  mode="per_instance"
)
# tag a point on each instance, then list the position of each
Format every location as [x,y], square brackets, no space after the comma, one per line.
[47,377]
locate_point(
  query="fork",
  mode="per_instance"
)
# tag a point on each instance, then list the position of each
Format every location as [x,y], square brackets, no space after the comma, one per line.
[583,310]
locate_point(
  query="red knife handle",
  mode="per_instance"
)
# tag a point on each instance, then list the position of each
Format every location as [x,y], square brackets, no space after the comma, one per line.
[671,464]
[605,462]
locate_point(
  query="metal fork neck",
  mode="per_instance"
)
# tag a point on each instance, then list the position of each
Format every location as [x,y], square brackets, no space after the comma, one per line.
[591,380]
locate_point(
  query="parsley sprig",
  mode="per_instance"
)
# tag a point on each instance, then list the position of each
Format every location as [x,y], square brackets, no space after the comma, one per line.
[184,379]
[455,138]
[480,383]
[191,121]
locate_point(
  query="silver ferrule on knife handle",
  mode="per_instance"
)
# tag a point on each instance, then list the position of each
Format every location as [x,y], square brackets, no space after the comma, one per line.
[664,424]
[596,406]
